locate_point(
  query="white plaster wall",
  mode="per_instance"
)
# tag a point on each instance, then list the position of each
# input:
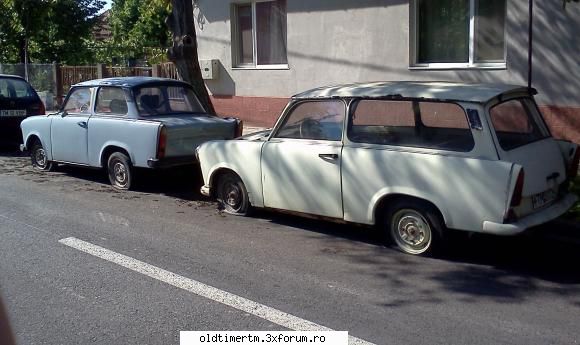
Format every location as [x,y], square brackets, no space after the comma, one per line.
[340,41]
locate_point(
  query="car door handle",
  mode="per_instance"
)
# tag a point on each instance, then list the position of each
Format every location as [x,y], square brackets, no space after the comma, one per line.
[328,156]
[82,124]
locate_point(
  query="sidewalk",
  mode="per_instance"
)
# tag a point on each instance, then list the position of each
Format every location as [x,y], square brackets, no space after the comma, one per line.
[251,129]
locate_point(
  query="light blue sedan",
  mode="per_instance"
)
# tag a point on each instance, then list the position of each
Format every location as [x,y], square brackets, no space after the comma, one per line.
[123,123]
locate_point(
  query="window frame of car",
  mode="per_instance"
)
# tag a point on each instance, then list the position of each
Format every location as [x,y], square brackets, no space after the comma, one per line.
[534,112]
[127,95]
[237,44]
[348,141]
[288,110]
[471,63]
[73,89]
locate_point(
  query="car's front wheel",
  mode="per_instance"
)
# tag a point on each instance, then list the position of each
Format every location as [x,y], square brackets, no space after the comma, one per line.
[232,194]
[415,227]
[39,159]
[120,171]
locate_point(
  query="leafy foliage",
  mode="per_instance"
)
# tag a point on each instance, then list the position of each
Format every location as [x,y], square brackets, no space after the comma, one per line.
[139,30]
[56,30]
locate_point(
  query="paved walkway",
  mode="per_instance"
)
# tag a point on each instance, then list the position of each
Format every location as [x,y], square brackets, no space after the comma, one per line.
[251,129]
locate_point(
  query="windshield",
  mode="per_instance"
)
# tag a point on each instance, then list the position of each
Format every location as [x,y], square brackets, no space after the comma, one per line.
[15,88]
[167,100]
[517,123]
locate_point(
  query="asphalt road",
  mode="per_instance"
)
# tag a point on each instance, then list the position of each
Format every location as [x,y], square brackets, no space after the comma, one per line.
[521,290]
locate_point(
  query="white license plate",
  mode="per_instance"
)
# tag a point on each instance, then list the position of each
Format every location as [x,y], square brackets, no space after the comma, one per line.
[12,112]
[542,199]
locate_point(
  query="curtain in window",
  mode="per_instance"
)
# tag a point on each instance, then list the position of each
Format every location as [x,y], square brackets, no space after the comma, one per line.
[443,31]
[245,39]
[489,30]
[271,32]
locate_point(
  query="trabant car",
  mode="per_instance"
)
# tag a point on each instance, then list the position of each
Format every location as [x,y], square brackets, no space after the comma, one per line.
[123,123]
[412,158]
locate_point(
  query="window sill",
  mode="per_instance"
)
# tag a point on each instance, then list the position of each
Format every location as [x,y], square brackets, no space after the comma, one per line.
[264,67]
[452,66]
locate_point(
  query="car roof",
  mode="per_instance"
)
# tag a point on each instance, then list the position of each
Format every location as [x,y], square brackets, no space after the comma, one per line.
[463,92]
[11,76]
[129,81]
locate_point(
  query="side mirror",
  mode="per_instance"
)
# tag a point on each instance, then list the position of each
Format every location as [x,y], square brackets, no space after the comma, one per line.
[63,113]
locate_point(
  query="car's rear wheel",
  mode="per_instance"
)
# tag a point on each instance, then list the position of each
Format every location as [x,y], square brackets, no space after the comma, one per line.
[415,227]
[120,171]
[232,194]
[39,159]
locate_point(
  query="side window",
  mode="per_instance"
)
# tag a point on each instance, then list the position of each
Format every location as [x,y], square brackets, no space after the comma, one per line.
[514,124]
[315,120]
[382,122]
[79,101]
[432,125]
[111,101]
[443,115]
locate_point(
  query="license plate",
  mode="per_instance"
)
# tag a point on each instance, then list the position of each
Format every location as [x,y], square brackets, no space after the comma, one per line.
[542,199]
[12,112]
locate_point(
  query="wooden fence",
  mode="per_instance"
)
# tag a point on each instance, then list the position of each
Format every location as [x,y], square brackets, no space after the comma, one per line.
[66,76]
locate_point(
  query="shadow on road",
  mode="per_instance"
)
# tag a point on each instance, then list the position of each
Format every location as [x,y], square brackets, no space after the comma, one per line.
[183,182]
[545,260]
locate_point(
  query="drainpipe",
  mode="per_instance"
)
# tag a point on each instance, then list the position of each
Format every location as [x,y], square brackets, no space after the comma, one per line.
[530,40]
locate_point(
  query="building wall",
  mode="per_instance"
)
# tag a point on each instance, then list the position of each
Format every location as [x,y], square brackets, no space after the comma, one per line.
[341,41]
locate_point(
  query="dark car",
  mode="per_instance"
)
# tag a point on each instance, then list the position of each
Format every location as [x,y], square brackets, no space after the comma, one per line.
[18,100]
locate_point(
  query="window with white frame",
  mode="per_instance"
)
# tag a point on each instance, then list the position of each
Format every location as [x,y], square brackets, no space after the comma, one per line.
[259,34]
[459,33]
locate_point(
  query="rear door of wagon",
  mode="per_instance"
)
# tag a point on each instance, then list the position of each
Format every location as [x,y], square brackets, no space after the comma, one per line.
[523,138]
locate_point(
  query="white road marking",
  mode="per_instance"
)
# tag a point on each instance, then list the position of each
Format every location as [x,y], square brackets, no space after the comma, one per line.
[262,311]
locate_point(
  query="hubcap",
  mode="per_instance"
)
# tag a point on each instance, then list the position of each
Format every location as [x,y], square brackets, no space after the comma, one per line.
[40,157]
[411,231]
[232,195]
[120,173]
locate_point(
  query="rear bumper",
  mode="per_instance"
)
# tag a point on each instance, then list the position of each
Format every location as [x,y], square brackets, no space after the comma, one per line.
[550,213]
[171,162]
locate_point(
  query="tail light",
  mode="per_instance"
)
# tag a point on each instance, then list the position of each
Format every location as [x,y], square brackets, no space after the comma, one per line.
[518,190]
[37,109]
[239,129]
[162,144]
[573,167]
[510,215]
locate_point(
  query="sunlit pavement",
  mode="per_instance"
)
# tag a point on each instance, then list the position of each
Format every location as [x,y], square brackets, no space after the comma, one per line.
[517,290]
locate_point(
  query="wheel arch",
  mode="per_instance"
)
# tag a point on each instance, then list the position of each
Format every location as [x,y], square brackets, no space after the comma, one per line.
[108,150]
[381,206]
[215,174]
[34,137]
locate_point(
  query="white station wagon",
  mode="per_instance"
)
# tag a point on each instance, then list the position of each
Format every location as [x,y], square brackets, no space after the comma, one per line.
[412,158]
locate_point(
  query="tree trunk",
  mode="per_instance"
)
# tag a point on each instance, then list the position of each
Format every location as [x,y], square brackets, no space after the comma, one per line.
[183,51]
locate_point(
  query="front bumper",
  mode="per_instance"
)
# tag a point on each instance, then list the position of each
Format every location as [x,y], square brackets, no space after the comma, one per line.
[170,162]
[205,190]
[543,216]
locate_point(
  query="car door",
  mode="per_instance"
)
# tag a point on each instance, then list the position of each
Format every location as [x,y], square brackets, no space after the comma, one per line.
[301,161]
[69,130]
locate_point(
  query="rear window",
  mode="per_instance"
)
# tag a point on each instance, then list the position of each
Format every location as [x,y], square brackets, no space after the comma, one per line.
[15,88]
[435,125]
[514,123]
[167,100]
